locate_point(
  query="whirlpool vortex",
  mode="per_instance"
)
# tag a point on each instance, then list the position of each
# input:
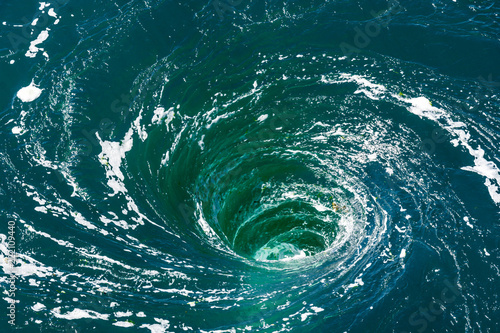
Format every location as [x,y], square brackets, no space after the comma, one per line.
[261,179]
[231,184]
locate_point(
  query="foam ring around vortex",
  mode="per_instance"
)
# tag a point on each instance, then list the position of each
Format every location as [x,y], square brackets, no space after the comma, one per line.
[268,201]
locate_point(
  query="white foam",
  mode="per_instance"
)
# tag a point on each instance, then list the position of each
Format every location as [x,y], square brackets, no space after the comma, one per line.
[371,90]
[29,93]
[25,265]
[301,254]
[81,220]
[319,123]
[160,114]
[207,229]
[33,49]
[123,324]
[319,138]
[466,219]
[219,117]
[52,13]
[357,282]
[79,314]
[38,307]
[165,158]
[111,156]
[120,314]
[304,316]
[262,118]
[34,283]
[46,235]
[319,207]
[422,107]
[157,328]
[16,130]
[486,168]
[401,230]
[140,129]
[115,221]
[201,143]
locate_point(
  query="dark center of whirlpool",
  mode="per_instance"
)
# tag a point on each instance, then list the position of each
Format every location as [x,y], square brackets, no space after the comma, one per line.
[263,189]
[270,211]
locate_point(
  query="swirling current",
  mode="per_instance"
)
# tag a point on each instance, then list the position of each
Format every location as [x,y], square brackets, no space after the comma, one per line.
[266,166]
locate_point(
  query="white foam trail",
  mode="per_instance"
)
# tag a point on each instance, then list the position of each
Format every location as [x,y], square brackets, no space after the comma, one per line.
[157,328]
[78,314]
[111,156]
[423,108]
[33,49]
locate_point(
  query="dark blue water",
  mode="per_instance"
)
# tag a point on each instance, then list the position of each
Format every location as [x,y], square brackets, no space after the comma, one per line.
[233,166]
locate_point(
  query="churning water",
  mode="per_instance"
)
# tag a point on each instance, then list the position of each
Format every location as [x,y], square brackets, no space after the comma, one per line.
[267,166]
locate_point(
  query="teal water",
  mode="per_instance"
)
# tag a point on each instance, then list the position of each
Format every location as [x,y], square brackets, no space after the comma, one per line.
[266,166]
